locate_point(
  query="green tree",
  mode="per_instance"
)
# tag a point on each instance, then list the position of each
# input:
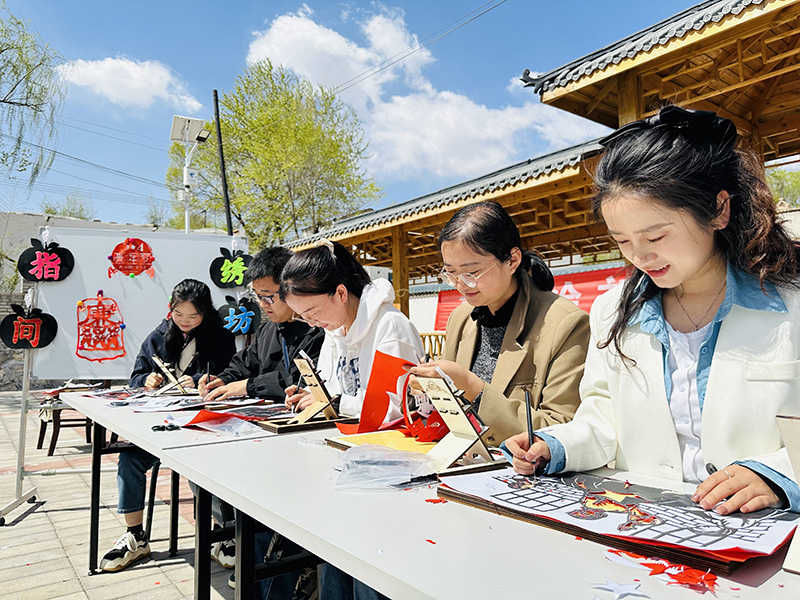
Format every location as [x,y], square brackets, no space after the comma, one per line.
[293,155]
[31,97]
[74,205]
[157,213]
[785,185]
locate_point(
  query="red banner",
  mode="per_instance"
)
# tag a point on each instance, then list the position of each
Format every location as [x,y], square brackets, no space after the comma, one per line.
[582,288]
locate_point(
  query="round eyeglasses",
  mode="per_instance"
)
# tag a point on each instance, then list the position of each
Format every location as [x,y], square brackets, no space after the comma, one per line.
[468,279]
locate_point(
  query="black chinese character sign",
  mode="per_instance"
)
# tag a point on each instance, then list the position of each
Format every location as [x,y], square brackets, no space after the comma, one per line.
[45,263]
[228,270]
[240,318]
[34,329]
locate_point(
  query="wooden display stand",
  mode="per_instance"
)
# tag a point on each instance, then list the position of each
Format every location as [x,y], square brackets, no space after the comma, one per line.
[461,450]
[320,414]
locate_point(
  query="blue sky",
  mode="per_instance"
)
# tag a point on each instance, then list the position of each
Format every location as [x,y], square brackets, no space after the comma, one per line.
[449,112]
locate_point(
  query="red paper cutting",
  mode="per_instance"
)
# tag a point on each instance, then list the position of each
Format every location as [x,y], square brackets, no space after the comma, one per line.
[100,327]
[386,370]
[132,257]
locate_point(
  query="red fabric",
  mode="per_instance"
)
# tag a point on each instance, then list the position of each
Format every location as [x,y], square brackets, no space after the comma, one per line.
[581,288]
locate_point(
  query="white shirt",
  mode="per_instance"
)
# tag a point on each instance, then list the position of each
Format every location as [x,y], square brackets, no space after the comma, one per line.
[684,403]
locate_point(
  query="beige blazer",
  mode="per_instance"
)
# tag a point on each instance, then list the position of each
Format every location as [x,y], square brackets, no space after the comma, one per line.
[544,348]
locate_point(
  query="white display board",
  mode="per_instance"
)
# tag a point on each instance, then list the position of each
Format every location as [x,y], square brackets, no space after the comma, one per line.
[142,300]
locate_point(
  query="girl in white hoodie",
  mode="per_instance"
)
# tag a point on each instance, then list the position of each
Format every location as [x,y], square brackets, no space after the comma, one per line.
[328,288]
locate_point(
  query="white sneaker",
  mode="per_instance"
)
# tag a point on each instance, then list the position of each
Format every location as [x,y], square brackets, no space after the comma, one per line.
[126,551]
[224,553]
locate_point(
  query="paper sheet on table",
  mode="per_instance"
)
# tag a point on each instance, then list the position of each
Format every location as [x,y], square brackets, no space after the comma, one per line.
[211,421]
[620,509]
[175,403]
[385,378]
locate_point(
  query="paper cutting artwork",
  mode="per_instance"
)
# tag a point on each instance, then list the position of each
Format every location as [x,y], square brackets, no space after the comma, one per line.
[131,257]
[31,330]
[45,263]
[620,509]
[240,318]
[100,329]
[228,270]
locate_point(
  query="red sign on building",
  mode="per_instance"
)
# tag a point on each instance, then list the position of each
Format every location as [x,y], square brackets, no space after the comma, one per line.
[582,288]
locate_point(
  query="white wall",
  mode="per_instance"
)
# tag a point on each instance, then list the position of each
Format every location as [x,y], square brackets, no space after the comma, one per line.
[422,311]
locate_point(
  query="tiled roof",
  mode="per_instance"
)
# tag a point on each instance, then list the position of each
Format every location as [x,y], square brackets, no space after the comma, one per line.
[523,171]
[694,18]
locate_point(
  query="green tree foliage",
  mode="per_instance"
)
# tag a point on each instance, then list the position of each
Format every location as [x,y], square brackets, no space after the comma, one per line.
[785,185]
[31,96]
[293,155]
[74,205]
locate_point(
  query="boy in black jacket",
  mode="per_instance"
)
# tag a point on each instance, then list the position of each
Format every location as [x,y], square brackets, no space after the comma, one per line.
[264,370]
[266,367]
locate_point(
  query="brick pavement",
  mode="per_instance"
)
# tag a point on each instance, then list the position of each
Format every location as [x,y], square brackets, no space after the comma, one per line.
[44,545]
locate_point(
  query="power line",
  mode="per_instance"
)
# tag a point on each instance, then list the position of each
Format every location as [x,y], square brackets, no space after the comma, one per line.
[91,164]
[147,137]
[113,137]
[93,194]
[412,50]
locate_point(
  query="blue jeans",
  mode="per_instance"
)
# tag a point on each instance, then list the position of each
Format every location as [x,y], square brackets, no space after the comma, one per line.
[132,471]
[132,479]
[335,584]
[282,586]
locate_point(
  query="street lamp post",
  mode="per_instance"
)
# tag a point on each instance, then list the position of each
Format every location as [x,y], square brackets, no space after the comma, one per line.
[189,131]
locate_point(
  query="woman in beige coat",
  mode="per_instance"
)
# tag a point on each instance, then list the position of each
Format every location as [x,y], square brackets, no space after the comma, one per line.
[513,333]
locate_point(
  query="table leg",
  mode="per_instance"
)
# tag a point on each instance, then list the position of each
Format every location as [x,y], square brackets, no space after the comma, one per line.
[173,512]
[98,439]
[202,545]
[245,556]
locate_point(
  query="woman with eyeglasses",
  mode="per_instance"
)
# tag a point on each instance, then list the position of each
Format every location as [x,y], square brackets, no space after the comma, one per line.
[513,334]
[326,287]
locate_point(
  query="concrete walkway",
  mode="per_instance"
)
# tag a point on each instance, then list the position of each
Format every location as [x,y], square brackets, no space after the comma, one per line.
[44,546]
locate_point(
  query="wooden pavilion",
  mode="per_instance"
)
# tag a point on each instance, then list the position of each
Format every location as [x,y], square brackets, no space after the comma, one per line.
[736,57]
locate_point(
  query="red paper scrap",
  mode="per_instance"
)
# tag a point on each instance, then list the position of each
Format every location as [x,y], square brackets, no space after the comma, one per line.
[436,500]
[386,370]
[431,542]
[677,574]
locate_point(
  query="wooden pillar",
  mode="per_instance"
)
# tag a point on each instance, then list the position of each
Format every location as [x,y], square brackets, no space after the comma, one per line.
[400,268]
[628,99]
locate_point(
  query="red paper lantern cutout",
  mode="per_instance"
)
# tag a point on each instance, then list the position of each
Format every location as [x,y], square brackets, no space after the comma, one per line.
[132,257]
[100,329]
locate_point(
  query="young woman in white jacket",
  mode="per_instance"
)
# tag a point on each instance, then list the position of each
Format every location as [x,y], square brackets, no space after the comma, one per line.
[694,356]
[328,288]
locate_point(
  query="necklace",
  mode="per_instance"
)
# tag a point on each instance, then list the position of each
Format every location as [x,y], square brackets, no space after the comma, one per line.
[696,324]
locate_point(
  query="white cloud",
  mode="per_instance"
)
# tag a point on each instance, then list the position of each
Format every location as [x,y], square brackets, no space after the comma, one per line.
[412,127]
[130,83]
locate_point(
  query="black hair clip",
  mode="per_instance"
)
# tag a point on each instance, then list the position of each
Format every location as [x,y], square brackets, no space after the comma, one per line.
[167,427]
[720,130]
